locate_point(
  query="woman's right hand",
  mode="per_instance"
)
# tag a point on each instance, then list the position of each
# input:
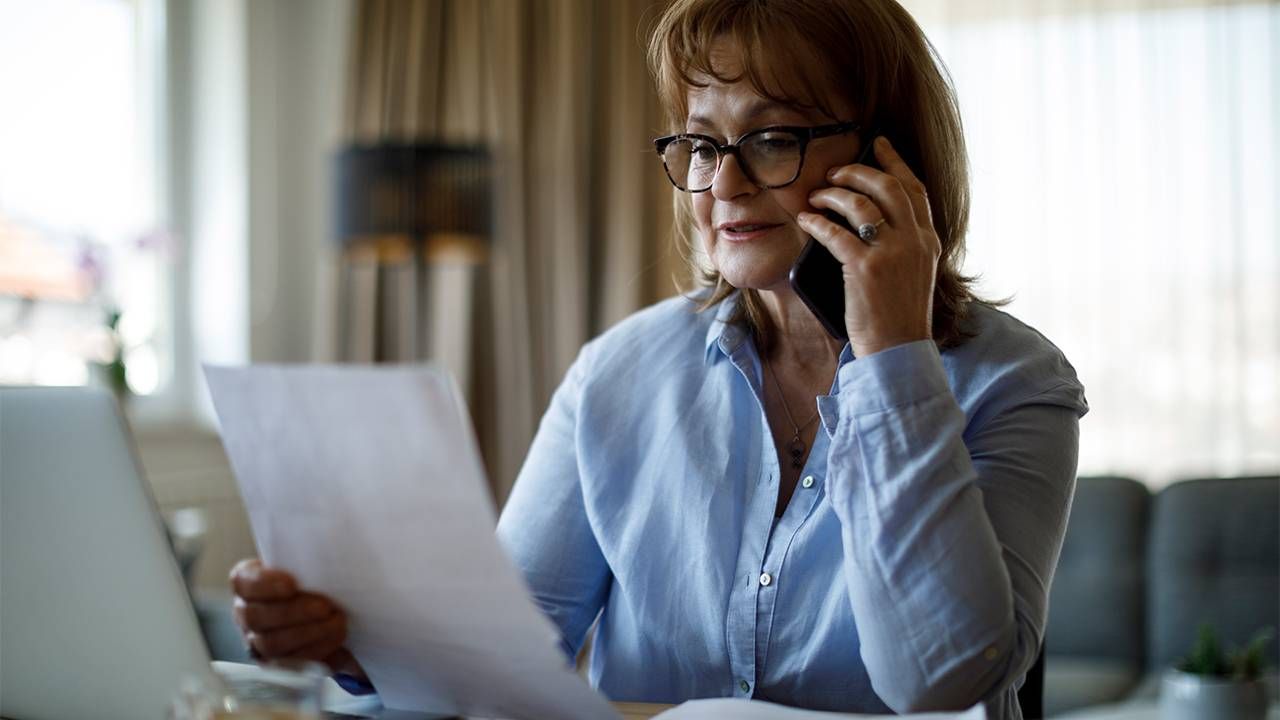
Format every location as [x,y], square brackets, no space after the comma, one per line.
[281,621]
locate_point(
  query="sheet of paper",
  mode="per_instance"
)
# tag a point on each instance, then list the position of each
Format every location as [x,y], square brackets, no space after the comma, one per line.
[740,709]
[366,483]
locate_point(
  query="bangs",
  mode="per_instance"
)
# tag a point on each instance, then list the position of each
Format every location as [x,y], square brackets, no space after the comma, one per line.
[772,51]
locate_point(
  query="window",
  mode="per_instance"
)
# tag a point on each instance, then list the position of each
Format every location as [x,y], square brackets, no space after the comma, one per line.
[80,218]
[1125,176]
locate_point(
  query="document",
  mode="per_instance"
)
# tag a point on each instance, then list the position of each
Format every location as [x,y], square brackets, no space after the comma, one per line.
[740,709]
[366,483]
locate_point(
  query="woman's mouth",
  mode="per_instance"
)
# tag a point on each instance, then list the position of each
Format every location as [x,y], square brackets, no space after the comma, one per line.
[745,232]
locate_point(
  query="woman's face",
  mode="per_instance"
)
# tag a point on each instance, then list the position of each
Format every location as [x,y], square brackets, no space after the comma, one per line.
[757,257]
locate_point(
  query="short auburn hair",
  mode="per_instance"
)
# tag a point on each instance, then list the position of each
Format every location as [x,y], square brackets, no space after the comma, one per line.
[801,53]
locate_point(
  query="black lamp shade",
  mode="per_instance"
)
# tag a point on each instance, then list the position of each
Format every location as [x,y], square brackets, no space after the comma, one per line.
[413,189]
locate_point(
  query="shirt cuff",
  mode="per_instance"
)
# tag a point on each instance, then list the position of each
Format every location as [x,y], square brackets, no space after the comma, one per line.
[353,684]
[901,375]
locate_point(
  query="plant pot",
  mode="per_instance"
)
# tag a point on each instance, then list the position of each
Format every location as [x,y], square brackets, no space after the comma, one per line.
[1184,696]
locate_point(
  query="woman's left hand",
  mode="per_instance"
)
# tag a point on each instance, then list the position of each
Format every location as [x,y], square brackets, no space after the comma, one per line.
[888,284]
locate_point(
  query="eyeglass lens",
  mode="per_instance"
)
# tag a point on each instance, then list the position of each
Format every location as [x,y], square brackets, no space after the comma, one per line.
[769,158]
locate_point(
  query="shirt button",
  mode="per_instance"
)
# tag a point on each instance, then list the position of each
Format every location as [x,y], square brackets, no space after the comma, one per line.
[766,579]
[807,482]
[746,686]
[991,653]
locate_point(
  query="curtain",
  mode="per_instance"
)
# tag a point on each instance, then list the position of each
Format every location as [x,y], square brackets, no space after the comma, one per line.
[559,93]
[1125,164]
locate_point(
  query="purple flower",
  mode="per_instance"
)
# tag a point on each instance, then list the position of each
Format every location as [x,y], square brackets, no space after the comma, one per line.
[91,264]
[157,240]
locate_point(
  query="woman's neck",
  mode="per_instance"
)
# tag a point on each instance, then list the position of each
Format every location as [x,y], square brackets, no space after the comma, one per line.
[800,343]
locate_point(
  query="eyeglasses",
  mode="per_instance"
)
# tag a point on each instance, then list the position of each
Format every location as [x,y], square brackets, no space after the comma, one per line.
[770,157]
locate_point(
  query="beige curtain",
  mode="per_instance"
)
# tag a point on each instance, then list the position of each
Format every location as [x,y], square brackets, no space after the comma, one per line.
[559,92]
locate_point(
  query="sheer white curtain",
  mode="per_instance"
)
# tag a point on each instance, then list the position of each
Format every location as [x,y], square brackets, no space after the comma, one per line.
[1125,161]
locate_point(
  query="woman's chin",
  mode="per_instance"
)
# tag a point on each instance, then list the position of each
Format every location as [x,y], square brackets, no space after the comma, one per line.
[755,266]
[755,276]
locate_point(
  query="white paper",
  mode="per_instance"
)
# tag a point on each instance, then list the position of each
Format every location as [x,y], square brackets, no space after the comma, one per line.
[740,709]
[367,485]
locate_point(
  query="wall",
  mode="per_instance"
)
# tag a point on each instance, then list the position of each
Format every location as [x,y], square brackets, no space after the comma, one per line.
[297,66]
[254,106]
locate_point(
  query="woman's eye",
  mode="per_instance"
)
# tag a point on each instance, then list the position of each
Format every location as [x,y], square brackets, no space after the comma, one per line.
[776,144]
[704,153]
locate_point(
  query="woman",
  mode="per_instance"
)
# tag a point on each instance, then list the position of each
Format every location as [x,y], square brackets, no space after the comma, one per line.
[749,507]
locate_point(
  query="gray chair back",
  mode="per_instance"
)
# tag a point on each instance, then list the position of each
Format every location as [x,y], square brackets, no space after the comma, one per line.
[1213,557]
[1096,603]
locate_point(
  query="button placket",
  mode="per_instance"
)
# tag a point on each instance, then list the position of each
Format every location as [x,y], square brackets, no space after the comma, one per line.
[741,631]
[795,517]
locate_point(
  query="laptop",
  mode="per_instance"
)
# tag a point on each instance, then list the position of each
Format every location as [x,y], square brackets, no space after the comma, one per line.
[95,619]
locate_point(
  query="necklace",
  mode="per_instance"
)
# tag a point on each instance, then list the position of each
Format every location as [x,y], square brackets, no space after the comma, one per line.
[796,448]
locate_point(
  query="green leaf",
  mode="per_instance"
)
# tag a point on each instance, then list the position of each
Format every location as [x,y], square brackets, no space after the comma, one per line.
[1247,662]
[1206,656]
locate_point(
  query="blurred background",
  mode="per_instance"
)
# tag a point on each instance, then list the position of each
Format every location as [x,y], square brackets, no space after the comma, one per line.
[234,181]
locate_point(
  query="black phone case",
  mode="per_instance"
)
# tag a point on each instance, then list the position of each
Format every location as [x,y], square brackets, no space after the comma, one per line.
[817,276]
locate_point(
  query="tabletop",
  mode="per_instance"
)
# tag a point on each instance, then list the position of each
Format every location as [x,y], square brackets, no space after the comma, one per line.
[1145,710]
[638,710]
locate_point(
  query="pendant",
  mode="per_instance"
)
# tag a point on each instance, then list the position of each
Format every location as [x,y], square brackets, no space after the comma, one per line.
[796,448]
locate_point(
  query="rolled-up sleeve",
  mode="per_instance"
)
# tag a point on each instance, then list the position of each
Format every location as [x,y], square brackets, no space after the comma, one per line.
[951,528]
[544,525]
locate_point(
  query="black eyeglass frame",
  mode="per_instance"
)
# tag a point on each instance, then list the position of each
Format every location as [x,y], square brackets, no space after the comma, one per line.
[803,134]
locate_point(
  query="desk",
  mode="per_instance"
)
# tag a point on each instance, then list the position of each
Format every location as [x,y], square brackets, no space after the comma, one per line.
[337,700]
[364,706]
[639,711]
[628,710]
[1136,710]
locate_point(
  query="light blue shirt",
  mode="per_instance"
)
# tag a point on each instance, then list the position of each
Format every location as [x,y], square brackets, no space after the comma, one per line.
[910,569]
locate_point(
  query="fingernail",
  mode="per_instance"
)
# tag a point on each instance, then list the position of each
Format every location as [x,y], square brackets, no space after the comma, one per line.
[804,218]
[831,174]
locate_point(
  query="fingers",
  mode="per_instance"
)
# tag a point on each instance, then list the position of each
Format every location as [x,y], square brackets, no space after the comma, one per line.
[313,641]
[917,193]
[843,244]
[896,191]
[855,208]
[252,581]
[262,616]
[278,620]
[321,650]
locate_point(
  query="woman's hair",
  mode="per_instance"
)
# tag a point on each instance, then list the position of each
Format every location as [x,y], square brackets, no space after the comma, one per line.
[804,53]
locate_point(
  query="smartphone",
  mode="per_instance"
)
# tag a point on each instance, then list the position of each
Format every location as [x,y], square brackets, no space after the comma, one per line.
[816,275]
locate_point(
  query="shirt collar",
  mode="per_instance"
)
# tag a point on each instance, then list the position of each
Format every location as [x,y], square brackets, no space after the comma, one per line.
[725,336]
[722,335]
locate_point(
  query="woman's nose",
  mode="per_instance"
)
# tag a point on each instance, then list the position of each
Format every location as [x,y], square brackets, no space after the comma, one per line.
[731,180]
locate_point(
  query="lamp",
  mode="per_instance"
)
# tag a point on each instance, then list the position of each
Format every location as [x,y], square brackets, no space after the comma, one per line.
[413,221]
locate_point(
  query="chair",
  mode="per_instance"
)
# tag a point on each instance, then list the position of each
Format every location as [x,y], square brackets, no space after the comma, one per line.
[1213,557]
[1097,600]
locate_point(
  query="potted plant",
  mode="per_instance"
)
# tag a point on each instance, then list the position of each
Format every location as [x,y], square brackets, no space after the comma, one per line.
[1209,684]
